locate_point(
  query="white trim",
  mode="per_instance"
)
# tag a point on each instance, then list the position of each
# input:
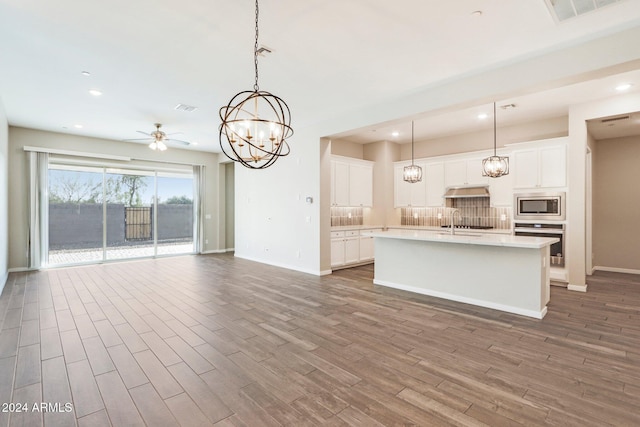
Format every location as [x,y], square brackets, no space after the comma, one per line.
[509,309]
[4,282]
[616,269]
[326,272]
[288,267]
[577,288]
[21,269]
[76,153]
[214,251]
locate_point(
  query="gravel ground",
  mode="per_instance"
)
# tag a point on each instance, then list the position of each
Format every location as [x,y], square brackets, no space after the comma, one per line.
[78,256]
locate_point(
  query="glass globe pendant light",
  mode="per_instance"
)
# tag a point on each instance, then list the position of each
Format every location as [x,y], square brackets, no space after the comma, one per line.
[412,173]
[495,166]
[255,124]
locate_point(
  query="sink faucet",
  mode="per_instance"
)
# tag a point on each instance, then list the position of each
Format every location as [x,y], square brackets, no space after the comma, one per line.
[451,217]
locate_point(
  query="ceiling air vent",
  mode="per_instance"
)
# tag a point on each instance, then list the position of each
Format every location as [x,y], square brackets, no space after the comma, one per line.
[615,119]
[184,107]
[561,10]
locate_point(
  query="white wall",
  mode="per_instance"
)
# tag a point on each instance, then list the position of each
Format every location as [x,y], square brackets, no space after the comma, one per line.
[273,193]
[18,179]
[4,198]
[616,206]
[576,247]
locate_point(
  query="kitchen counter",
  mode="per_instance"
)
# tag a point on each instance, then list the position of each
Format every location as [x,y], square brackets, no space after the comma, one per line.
[502,272]
[467,237]
[355,227]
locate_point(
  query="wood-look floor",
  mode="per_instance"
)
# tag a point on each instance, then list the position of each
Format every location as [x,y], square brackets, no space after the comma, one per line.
[215,340]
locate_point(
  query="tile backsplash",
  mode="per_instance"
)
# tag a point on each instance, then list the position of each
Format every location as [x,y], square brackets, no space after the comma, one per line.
[475,211]
[346,216]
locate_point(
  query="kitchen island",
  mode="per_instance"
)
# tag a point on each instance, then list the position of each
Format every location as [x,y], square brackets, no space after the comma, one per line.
[502,272]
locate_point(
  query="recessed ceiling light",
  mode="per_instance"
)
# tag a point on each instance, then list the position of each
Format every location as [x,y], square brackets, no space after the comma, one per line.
[624,86]
[95,92]
[77,126]
[395,133]
[85,73]
[482,116]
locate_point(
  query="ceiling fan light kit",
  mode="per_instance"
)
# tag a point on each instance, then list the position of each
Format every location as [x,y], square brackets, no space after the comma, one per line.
[255,124]
[495,166]
[158,138]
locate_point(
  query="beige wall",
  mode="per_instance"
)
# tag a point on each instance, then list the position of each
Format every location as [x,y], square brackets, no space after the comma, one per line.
[483,140]
[384,153]
[229,194]
[347,149]
[4,197]
[616,206]
[19,180]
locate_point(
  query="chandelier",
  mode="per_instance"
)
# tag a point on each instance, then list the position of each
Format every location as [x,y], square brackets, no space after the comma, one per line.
[413,173]
[495,166]
[255,124]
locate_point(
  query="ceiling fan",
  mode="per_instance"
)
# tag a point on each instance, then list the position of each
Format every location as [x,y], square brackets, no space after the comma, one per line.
[159,138]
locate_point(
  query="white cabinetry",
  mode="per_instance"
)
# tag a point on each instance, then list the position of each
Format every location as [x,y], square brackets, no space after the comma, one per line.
[339,183]
[360,185]
[406,193]
[433,175]
[351,247]
[540,167]
[464,172]
[351,182]
[366,248]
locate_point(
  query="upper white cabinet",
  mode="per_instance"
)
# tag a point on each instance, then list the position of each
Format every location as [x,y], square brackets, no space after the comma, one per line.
[405,193]
[464,172]
[433,175]
[360,184]
[351,182]
[339,183]
[501,189]
[540,167]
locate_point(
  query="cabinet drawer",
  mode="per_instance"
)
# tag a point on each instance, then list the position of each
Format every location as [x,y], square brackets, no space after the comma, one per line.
[352,233]
[337,234]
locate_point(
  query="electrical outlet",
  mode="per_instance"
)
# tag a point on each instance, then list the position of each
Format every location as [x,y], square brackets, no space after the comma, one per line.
[503,217]
[439,215]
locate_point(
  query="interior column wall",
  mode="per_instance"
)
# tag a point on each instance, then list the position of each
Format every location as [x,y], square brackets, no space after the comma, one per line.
[4,197]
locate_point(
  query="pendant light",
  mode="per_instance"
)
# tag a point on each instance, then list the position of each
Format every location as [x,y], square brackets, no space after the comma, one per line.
[255,124]
[495,166]
[413,173]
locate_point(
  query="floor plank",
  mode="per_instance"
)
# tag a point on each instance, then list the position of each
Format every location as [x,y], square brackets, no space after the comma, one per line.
[217,340]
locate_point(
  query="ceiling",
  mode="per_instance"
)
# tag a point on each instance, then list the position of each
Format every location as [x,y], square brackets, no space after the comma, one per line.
[330,57]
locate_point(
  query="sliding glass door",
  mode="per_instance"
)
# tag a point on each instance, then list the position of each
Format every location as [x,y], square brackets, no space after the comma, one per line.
[98,214]
[76,214]
[175,213]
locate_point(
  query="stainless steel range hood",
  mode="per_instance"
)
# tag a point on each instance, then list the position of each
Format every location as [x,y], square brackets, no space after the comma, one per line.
[465,192]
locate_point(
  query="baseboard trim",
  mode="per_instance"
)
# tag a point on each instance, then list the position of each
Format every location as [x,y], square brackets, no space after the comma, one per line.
[3,283]
[20,269]
[616,270]
[326,272]
[577,288]
[487,304]
[214,251]
[280,265]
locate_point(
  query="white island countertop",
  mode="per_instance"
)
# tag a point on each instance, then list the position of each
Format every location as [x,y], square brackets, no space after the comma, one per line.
[503,272]
[464,237]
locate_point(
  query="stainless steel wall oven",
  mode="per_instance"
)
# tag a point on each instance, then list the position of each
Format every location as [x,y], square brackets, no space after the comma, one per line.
[545,230]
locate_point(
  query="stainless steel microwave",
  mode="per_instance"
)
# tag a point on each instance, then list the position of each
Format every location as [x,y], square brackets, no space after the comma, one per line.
[539,206]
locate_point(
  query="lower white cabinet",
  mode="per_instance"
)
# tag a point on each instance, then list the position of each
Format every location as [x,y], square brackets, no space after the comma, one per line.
[351,247]
[366,248]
